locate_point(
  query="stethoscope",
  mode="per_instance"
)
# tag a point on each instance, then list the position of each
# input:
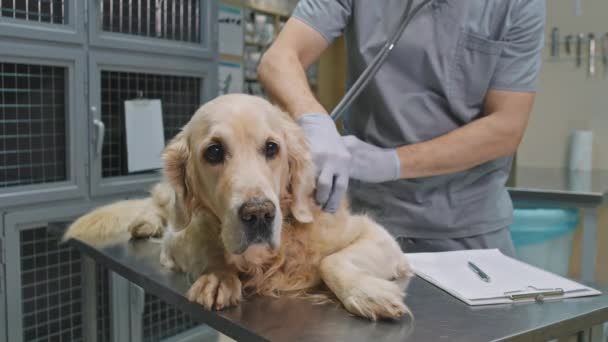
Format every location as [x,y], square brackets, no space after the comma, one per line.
[377,62]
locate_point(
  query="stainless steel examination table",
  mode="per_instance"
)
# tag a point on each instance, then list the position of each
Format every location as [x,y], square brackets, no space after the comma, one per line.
[562,188]
[437,315]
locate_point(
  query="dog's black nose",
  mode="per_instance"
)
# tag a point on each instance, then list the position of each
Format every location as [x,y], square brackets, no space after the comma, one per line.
[257,214]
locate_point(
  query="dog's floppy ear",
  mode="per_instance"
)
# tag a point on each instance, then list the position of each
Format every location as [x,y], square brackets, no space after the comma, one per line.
[175,158]
[301,173]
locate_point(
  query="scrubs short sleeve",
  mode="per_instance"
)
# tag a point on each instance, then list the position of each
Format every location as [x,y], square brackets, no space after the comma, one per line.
[328,17]
[520,60]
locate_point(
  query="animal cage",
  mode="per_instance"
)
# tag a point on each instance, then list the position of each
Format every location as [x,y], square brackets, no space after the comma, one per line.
[177,20]
[42,11]
[44,287]
[33,145]
[54,295]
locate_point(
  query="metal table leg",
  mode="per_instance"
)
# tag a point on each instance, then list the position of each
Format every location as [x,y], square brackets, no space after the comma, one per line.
[589,253]
[593,334]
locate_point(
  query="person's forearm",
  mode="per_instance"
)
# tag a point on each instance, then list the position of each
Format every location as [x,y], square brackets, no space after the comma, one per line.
[482,140]
[283,76]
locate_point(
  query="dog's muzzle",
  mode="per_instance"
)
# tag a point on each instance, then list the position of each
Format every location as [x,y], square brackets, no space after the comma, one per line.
[257,215]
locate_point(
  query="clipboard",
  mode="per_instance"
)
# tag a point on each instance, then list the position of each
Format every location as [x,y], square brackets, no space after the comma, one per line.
[512,281]
[144,133]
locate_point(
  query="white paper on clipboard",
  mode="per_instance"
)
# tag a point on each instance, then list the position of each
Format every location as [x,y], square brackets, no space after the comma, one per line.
[145,134]
[450,272]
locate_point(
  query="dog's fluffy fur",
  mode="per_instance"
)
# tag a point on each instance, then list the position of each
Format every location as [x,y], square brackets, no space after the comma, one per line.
[196,211]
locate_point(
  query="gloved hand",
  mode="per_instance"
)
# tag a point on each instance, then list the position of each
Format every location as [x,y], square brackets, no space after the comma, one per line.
[370,163]
[330,156]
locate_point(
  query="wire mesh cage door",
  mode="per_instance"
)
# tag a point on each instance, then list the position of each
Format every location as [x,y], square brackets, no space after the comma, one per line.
[49,20]
[46,297]
[180,91]
[161,321]
[40,131]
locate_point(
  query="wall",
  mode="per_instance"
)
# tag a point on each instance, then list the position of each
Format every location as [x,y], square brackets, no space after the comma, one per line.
[567,99]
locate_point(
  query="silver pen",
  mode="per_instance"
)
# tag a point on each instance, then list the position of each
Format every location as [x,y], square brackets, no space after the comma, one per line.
[479,272]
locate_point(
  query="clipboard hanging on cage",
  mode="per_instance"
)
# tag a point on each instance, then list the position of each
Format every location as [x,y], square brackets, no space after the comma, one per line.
[144,131]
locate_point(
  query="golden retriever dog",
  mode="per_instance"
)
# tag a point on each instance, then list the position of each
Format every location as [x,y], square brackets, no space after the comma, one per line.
[236,210]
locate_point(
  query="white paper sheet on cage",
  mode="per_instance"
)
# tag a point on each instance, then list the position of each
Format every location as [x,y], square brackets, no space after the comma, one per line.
[145,134]
[230,26]
[230,78]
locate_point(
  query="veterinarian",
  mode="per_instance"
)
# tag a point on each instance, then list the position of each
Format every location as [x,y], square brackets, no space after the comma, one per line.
[431,138]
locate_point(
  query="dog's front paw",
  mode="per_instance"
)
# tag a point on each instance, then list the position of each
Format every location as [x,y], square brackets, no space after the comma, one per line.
[146,228]
[216,291]
[376,298]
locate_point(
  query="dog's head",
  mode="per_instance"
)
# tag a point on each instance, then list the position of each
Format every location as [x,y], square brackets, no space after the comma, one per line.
[240,158]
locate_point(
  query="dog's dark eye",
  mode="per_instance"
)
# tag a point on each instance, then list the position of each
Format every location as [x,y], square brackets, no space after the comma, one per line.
[272,149]
[215,154]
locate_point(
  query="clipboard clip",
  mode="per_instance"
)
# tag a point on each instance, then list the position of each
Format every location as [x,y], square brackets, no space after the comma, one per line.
[539,295]
[139,98]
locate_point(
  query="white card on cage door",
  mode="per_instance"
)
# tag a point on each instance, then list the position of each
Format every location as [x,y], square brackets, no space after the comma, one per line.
[145,134]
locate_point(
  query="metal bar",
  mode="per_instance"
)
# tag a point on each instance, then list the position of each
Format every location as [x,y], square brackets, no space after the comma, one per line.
[137,297]
[197,21]
[592,334]
[130,16]
[27,9]
[39,10]
[41,105]
[120,16]
[119,292]
[2,104]
[89,281]
[29,100]
[189,37]
[173,18]
[148,15]
[158,19]
[111,17]
[181,20]
[139,17]
[165,18]
[589,245]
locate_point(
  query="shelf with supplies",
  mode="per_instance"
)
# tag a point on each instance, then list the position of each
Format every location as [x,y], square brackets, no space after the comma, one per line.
[247,29]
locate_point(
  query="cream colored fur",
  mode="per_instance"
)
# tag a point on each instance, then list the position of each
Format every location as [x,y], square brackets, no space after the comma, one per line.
[195,210]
